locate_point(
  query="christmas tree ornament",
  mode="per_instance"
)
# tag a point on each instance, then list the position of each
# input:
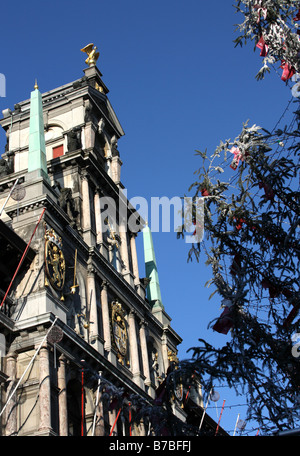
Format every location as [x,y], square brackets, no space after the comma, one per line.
[263,47]
[236,264]
[273,289]
[260,11]
[254,257]
[296,90]
[297,17]
[205,192]
[269,193]
[215,396]
[241,424]
[288,71]
[225,321]
[239,224]
[295,77]
[237,157]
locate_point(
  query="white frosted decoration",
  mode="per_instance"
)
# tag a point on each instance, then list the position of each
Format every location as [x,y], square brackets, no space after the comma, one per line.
[215,396]
[226,303]
[296,90]
[241,424]
[295,77]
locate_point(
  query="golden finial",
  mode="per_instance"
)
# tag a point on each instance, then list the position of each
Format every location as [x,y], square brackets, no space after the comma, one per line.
[35,85]
[92,53]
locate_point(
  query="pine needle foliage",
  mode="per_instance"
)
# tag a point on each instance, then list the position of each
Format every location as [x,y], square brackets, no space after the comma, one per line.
[250,186]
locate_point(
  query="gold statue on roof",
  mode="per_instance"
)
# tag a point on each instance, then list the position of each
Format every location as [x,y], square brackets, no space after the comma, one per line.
[92,53]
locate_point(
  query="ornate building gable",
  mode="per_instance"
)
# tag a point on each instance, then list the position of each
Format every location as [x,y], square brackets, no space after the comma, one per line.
[85,272]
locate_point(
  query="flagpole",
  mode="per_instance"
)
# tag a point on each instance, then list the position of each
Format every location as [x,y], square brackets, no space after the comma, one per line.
[204,411]
[236,423]
[97,402]
[82,401]
[220,417]
[130,433]
[112,429]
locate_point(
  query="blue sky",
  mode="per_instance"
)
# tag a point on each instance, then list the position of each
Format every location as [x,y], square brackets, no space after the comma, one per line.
[177,84]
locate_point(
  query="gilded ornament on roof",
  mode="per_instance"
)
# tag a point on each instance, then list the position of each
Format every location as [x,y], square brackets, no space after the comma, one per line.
[92,54]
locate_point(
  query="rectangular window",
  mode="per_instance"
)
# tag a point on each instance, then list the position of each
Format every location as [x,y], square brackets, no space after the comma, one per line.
[58,151]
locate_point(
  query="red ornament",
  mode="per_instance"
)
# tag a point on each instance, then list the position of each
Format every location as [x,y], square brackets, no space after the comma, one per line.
[269,194]
[205,192]
[260,10]
[240,223]
[264,48]
[297,17]
[288,71]
[236,264]
[287,293]
[273,290]
[237,157]
[198,228]
[224,322]
[290,317]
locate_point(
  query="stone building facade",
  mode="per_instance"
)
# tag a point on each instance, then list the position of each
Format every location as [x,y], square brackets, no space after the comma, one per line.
[76,314]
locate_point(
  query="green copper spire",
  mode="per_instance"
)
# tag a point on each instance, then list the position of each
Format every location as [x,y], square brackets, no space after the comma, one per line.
[153,288]
[37,161]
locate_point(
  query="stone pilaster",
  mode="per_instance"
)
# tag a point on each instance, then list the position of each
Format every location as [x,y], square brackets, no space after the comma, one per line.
[135,265]
[11,409]
[86,210]
[134,259]
[124,247]
[124,253]
[116,164]
[99,233]
[145,357]
[165,350]
[62,396]
[44,391]
[93,311]
[134,354]
[106,323]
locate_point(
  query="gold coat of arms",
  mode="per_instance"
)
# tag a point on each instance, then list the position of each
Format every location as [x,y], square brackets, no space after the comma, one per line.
[55,264]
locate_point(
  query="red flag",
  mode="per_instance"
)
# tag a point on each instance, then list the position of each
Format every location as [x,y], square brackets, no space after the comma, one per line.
[224,322]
